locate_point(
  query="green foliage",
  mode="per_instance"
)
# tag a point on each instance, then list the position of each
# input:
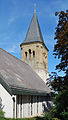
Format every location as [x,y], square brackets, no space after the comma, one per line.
[37,118]
[61,103]
[48,116]
[1,115]
[64,115]
[57,82]
[55,119]
[1,110]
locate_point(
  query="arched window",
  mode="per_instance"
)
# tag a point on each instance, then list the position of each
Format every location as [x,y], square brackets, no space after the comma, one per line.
[29,53]
[33,53]
[25,54]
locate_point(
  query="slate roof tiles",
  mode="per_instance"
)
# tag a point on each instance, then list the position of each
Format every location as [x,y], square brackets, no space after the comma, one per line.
[19,76]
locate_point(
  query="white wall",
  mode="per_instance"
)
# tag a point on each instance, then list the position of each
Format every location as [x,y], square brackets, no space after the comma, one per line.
[42,74]
[7,102]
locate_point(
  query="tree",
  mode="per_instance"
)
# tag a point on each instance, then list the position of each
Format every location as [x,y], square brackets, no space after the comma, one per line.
[60,83]
[61,49]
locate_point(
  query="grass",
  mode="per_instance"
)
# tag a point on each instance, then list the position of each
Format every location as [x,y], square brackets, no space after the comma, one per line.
[35,118]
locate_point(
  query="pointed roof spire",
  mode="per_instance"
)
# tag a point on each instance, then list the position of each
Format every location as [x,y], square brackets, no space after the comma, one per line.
[34,32]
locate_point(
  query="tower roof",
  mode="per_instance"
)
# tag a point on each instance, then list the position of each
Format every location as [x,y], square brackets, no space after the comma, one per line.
[34,32]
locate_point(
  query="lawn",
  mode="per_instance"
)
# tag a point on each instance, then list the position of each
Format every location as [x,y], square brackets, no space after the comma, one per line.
[36,118]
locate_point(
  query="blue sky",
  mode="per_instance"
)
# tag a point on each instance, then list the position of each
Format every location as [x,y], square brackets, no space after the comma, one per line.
[15,17]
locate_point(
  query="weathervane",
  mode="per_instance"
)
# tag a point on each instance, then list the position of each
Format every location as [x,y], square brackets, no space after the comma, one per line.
[34,7]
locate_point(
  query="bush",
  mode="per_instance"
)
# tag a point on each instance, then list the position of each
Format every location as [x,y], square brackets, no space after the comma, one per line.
[64,115]
[48,116]
[1,115]
[55,119]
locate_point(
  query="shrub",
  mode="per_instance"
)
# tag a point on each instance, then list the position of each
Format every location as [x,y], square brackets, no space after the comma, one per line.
[64,115]
[1,115]
[55,119]
[48,116]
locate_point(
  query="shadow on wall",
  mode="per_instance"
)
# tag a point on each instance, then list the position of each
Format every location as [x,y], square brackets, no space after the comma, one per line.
[47,106]
[1,106]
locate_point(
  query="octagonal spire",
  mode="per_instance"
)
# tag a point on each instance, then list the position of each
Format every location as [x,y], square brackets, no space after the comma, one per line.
[34,32]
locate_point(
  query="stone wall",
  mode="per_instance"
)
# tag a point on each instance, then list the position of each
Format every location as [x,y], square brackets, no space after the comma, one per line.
[38,61]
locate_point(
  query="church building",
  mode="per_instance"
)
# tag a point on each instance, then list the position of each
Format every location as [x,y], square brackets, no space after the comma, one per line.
[23,89]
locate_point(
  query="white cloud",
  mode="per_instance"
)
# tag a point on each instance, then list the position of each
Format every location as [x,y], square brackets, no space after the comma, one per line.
[14,48]
[11,20]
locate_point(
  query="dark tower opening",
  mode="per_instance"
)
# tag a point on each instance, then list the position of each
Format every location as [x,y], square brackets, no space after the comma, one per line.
[29,53]
[26,54]
[33,53]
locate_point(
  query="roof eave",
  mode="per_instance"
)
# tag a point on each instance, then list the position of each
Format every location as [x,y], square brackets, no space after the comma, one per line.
[6,86]
[33,43]
[23,91]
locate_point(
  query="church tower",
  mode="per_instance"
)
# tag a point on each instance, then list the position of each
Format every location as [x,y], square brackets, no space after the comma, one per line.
[34,51]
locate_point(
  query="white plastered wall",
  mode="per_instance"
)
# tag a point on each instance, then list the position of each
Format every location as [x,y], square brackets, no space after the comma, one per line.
[42,74]
[7,102]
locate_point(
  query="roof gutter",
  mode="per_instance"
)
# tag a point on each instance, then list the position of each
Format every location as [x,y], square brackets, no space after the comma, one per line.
[24,91]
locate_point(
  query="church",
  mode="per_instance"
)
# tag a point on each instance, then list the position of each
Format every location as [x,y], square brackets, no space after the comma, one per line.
[23,89]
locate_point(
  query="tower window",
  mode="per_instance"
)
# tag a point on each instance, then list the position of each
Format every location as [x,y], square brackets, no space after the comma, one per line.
[29,53]
[26,54]
[33,53]
[21,48]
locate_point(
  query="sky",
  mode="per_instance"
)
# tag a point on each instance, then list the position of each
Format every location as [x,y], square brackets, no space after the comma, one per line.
[15,18]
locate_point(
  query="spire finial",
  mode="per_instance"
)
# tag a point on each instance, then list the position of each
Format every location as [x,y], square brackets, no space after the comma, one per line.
[34,7]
